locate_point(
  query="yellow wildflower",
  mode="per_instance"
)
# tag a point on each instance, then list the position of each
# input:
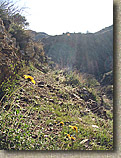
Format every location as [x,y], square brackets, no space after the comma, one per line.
[29,78]
[74,128]
[72,138]
[25,76]
[33,81]
[61,123]
[69,136]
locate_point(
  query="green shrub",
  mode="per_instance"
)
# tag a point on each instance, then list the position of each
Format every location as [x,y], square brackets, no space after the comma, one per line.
[19,33]
[72,79]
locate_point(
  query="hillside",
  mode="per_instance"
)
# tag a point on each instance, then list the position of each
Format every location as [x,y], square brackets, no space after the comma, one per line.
[59,112]
[54,104]
[91,53]
[37,36]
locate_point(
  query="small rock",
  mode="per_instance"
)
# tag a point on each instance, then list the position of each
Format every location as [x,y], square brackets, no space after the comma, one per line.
[80,119]
[41,83]
[84,89]
[51,100]
[46,136]
[95,126]
[41,86]
[84,141]
[98,143]
[76,96]
[60,103]
[50,124]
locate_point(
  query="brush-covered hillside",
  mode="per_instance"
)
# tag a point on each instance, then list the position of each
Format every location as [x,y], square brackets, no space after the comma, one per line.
[91,52]
[48,105]
[37,36]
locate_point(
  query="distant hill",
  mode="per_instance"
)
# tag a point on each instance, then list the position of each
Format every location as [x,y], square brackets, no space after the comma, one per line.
[37,36]
[105,29]
[90,53]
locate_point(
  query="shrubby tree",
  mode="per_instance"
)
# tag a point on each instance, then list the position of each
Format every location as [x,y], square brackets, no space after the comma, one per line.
[8,11]
[14,22]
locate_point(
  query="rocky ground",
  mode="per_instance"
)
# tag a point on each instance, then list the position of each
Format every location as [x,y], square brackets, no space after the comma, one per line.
[38,116]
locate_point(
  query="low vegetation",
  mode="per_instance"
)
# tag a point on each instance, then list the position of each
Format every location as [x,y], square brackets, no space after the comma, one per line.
[51,115]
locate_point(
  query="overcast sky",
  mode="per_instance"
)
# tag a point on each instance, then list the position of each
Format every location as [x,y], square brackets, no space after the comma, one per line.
[60,16]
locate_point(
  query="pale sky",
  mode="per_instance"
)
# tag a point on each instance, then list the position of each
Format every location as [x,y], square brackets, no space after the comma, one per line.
[55,17]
